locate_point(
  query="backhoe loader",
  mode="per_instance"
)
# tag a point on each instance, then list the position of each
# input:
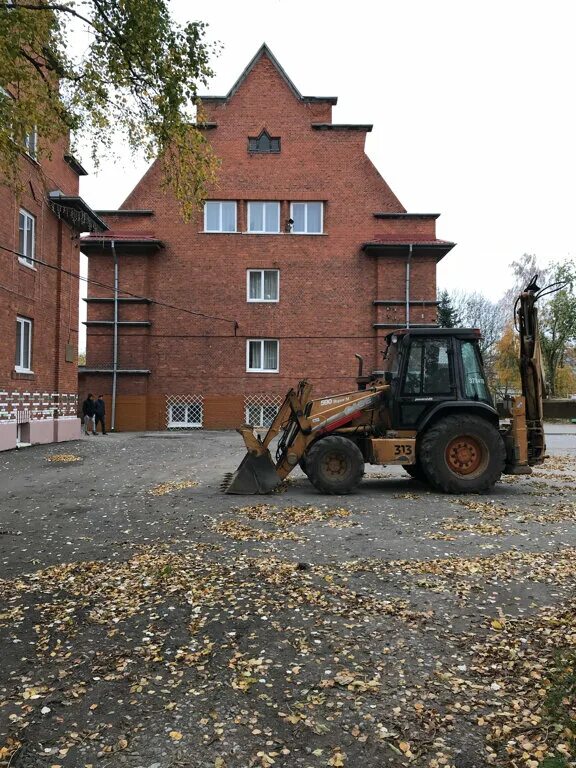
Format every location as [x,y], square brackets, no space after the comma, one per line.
[429,410]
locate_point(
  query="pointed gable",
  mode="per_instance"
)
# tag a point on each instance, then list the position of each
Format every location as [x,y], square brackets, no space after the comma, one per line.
[264,51]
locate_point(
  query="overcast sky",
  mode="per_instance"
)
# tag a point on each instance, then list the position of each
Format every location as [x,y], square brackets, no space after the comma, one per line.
[472,105]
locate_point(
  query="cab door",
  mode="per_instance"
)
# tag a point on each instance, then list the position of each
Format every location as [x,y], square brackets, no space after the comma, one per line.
[427,377]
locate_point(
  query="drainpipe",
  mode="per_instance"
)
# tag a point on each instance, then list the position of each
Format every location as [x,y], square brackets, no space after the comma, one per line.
[408,286]
[115,351]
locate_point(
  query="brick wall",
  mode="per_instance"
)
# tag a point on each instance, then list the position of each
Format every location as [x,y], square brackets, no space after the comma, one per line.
[328,284]
[41,293]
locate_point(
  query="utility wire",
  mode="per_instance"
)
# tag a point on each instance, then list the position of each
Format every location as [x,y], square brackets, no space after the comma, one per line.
[121,290]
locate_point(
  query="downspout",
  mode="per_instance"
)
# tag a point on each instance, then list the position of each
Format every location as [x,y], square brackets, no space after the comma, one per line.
[408,286]
[57,395]
[115,349]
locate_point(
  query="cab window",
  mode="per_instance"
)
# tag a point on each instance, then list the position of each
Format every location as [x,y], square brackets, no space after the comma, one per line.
[474,381]
[428,369]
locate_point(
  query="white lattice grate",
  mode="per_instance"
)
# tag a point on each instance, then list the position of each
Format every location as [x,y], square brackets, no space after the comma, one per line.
[40,405]
[260,410]
[184,411]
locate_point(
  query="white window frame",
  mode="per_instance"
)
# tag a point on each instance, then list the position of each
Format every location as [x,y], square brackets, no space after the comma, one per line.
[20,347]
[31,143]
[306,203]
[263,231]
[262,370]
[187,408]
[220,203]
[23,256]
[261,298]
[259,423]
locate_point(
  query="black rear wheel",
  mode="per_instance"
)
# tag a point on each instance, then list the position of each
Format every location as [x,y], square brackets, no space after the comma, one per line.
[462,454]
[335,465]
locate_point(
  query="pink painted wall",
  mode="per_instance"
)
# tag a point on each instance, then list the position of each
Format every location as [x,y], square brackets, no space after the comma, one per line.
[7,435]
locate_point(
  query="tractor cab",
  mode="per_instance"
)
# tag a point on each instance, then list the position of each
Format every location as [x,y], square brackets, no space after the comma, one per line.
[432,369]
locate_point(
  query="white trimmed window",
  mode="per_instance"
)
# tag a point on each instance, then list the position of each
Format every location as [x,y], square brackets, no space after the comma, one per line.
[262,355]
[263,285]
[31,143]
[23,345]
[26,237]
[308,218]
[185,415]
[261,415]
[263,217]
[220,216]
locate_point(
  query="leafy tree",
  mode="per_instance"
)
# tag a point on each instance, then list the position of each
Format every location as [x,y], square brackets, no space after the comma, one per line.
[558,323]
[447,314]
[138,78]
[565,381]
[506,365]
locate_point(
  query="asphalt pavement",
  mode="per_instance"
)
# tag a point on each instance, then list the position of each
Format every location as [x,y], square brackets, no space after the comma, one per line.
[148,620]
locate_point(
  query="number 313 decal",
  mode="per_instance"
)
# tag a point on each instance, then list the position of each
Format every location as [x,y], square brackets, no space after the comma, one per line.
[402,450]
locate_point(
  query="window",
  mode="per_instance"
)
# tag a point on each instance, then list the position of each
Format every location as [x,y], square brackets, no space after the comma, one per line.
[220,216]
[261,415]
[26,237]
[474,381]
[31,143]
[263,285]
[264,143]
[23,345]
[262,355]
[428,371]
[263,217]
[307,218]
[185,415]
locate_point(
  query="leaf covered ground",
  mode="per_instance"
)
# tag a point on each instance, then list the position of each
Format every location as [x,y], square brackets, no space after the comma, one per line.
[146,620]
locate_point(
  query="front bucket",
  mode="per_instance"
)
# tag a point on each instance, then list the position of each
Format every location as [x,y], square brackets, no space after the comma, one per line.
[256,474]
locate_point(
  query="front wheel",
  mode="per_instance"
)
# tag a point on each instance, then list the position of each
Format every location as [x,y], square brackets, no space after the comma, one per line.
[335,465]
[462,454]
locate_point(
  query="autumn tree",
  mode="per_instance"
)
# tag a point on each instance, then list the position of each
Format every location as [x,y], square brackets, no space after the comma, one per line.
[507,362]
[558,322]
[136,79]
[447,314]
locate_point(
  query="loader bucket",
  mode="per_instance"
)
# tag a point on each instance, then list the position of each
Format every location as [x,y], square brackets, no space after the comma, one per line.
[256,474]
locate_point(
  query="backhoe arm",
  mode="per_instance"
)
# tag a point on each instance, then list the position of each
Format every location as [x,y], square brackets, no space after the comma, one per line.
[528,414]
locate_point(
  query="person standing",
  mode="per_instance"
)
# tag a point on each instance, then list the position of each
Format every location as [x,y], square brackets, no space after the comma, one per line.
[88,414]
[100,415]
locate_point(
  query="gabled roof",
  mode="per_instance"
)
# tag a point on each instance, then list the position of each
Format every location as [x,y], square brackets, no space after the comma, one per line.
[265,51]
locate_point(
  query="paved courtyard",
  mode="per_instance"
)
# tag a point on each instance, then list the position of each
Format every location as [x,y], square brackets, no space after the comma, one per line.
[147,620]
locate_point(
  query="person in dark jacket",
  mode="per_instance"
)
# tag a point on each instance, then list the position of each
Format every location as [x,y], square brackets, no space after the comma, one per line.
[88,413]
[100,417]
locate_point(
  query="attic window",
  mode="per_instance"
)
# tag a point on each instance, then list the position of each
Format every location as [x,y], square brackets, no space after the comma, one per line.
[264,143]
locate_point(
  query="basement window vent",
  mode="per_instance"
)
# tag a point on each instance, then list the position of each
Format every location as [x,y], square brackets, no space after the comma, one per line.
[261,410]
[264,144]
[184,411]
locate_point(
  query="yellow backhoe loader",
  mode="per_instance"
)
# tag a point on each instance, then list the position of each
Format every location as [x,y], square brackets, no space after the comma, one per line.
[429,410]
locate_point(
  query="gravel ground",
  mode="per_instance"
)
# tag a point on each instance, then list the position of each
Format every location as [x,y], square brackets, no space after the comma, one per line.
[147,620]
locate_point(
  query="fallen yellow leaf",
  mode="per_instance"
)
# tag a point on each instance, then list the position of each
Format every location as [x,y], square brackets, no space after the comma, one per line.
[175,735]
[497,624]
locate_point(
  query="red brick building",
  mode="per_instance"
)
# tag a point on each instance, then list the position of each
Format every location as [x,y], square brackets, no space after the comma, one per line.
[304,257]
[40,225]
